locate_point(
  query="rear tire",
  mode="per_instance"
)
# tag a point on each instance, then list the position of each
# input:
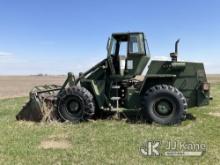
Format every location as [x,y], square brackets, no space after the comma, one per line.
[164,104]
[75,104]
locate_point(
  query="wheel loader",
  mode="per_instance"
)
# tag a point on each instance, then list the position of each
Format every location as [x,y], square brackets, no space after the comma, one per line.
[125,80]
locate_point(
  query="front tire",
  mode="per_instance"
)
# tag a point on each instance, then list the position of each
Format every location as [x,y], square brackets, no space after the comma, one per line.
[75,104]
[164,104]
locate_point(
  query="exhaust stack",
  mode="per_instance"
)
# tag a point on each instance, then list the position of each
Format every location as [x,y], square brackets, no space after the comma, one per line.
[175,54]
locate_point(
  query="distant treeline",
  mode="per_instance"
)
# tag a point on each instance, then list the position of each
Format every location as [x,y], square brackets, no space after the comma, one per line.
[44,75]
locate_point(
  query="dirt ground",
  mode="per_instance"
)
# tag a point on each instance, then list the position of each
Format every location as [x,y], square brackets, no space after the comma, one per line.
[214,78]
[16,86]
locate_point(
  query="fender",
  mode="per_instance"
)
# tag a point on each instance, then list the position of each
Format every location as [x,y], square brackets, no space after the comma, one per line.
[153,79]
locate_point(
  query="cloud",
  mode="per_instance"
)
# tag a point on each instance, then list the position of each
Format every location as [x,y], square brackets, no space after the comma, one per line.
[12,64]
[8,58]
[5,53]
[18,65]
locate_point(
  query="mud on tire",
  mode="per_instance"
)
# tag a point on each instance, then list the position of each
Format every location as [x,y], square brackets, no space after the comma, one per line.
[75,104]
[164,104]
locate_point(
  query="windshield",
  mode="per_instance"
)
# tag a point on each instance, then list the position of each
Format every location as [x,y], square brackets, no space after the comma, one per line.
[135,42]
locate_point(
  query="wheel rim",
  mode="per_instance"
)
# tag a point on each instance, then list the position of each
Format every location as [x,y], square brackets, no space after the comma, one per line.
[73,106]
[163,107]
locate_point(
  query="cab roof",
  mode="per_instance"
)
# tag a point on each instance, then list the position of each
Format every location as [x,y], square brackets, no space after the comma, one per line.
[125,34]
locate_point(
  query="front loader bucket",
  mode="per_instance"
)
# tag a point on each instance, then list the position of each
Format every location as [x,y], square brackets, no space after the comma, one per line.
[41,105]
[31,111]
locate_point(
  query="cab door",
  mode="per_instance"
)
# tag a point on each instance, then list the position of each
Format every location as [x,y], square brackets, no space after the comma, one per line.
[137,58]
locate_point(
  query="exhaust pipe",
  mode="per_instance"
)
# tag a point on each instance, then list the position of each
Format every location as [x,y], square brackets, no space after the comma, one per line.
[175,54]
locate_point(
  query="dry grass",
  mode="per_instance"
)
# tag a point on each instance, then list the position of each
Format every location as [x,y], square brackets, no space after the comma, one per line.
[55,144]
[214,78]
[215,114]
[16,86]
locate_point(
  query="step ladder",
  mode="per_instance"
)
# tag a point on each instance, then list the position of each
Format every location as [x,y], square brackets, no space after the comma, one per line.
[117,99]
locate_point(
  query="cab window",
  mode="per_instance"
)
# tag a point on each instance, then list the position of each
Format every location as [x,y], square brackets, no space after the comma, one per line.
[136,44]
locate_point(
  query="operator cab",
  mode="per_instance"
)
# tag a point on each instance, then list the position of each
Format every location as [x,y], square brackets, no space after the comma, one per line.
[129,53]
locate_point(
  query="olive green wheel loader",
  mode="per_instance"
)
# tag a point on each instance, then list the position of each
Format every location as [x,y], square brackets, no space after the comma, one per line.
[125,80]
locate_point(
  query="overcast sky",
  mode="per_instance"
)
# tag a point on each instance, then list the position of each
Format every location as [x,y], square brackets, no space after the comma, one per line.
[57,36]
